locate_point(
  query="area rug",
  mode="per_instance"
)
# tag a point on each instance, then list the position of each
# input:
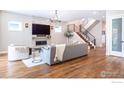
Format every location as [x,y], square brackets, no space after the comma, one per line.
[31,63]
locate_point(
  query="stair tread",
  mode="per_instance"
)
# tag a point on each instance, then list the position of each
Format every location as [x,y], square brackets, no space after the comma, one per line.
[86,40]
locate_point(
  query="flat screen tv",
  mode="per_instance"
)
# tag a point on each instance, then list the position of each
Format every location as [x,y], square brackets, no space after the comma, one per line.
[40,29]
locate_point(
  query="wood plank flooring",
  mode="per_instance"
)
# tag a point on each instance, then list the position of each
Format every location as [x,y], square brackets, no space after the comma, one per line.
[95,65]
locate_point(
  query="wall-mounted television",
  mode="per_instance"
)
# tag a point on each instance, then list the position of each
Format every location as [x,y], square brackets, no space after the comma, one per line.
[40,29]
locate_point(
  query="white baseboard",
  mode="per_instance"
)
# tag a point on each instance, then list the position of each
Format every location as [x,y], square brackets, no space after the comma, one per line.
[3,52]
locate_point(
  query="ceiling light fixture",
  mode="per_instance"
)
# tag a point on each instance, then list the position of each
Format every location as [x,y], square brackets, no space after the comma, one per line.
[55,20]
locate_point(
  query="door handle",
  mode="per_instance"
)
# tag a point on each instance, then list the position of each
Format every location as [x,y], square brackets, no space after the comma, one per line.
[122,41]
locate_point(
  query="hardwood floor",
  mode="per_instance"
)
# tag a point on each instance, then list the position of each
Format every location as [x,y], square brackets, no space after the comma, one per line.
[95,65]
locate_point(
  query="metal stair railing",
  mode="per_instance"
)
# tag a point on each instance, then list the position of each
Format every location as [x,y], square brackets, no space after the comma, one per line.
[88,35]
[83,31]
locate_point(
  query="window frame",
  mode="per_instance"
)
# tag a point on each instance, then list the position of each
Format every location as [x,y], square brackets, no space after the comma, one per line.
[19,28]
[59,28]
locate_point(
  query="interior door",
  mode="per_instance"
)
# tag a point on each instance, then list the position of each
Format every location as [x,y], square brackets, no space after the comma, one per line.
[117,36]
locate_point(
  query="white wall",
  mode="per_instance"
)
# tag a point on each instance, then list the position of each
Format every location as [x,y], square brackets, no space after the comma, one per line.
[104,35]
[58,37]
[18,38]
[114,12]
[24,37]
[97,32]
[76,38]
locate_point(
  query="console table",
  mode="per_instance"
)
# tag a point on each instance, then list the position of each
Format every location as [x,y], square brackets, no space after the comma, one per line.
[34,49]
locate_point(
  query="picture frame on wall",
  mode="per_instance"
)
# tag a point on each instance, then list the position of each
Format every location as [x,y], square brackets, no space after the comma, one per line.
[26,25]
[71,27]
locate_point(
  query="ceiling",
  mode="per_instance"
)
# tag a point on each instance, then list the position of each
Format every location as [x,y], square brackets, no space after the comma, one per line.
[64,15]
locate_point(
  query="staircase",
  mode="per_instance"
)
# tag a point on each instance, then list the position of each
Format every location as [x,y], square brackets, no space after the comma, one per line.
[84,32]
[87,37]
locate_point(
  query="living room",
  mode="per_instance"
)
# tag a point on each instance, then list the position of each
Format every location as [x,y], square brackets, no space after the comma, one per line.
[72,38]
[101,70]
[23,37]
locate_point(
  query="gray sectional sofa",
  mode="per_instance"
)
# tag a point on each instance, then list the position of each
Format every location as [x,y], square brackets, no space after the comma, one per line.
[70,52]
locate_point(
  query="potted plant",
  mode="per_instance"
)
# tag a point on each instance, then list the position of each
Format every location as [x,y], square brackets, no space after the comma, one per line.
[69,34]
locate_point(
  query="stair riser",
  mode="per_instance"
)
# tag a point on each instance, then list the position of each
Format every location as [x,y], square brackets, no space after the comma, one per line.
[88,42]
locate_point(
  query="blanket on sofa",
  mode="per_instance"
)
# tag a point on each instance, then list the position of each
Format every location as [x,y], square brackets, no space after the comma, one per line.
[59,52]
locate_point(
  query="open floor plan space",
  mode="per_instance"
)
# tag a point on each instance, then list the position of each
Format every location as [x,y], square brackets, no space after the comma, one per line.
[61,44]
[95,65]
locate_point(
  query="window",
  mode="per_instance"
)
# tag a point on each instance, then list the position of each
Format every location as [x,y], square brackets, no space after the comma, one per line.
[14,26]
[58,29]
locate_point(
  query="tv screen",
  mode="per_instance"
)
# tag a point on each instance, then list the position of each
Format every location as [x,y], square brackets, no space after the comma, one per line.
[40,29]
